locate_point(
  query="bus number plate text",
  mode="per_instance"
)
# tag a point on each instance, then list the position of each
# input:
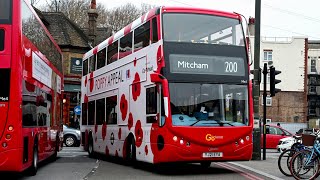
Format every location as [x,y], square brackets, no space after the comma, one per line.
[211,154]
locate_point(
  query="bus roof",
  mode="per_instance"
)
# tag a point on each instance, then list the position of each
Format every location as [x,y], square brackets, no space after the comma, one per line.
[148,16]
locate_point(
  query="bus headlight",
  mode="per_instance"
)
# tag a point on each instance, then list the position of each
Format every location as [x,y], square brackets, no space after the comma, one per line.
[4,144]
[175,138]
[10,128]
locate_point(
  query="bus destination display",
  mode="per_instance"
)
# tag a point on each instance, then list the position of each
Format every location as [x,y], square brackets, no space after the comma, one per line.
[211,65]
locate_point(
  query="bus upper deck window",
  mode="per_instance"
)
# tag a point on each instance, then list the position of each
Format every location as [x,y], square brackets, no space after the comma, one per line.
[1,39]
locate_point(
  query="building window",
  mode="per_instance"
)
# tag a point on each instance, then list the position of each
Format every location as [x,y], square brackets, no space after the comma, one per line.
[267,55]
[313,64]
[268,99]
[312,89]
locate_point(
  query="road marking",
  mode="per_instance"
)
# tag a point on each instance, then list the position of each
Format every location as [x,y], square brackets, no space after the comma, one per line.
[243,173]
[93,170]
[256,171]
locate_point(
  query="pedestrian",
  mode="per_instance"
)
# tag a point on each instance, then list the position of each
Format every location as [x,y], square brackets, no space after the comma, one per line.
[278,124]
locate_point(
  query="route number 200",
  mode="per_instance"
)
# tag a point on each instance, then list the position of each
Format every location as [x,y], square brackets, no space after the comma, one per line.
[231,67]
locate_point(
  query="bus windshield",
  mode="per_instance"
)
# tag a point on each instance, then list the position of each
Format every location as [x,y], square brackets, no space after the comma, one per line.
[5,12]
[199,28]
[195,104]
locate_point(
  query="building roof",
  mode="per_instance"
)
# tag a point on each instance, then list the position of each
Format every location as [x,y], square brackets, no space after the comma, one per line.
[64,31]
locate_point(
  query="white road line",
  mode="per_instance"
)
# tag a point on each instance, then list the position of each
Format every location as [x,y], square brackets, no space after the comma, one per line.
[256,171]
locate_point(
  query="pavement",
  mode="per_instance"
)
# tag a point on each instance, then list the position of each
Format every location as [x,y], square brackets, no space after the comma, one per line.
[268,167]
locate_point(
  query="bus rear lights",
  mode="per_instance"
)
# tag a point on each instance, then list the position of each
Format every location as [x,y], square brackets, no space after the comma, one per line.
[241,140]
[4,144]
[247,138]
[175,138]
[8,136]
[10,128]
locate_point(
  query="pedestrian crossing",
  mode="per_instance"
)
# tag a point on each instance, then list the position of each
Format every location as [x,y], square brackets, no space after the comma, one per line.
[72,152]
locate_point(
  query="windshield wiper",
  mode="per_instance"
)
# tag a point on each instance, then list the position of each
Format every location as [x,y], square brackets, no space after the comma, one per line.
[221,123]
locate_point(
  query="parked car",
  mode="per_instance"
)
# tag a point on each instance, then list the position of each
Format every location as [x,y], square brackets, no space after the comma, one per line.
[71,136]
[273,135]
[306,131]
[285,143]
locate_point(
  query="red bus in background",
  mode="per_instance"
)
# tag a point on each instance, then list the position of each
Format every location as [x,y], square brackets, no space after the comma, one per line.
[172,86]
[31,89]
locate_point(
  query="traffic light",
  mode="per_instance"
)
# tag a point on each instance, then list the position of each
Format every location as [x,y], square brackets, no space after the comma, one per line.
[274,81]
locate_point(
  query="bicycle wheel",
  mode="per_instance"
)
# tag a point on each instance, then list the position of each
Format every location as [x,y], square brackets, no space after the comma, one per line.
[284,161]
[304,165]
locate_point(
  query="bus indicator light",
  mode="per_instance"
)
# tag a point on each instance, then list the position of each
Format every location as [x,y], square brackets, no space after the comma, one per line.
[8,136]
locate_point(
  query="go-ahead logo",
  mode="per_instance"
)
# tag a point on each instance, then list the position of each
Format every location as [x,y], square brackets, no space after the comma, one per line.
[210,137]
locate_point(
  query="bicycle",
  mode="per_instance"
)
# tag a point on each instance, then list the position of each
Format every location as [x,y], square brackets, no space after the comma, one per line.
[305,163]
[285,157]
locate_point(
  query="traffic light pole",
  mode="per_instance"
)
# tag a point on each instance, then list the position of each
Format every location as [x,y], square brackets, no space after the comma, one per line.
[256,82]
[265,72]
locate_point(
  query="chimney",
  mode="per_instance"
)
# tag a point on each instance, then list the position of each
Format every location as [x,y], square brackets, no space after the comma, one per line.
[251,26]
[93,15]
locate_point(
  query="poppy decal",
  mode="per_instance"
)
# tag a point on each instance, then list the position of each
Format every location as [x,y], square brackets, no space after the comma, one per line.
[86,99]
[138,133]
[107,151]
[136,87]
[30,87]
[104,130]
[85,81]
[123,107]
[91,82]
[130,121]
[135,61]
[119,134]
[146,149]
[96,128]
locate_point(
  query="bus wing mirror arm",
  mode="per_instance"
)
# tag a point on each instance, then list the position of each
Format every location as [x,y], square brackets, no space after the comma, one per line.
[156,78]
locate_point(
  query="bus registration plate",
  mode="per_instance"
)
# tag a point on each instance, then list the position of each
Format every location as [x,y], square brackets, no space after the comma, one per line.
[211,154]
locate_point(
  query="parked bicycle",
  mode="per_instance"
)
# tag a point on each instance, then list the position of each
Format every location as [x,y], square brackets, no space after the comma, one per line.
[286,156]
[305,163]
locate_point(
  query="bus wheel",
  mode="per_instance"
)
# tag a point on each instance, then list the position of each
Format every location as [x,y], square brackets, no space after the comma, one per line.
[90,147]
[131,151]
[54,156]
[34,166]
[205,164]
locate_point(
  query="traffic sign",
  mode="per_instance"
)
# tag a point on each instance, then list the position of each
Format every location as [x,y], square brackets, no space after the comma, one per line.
[77,110]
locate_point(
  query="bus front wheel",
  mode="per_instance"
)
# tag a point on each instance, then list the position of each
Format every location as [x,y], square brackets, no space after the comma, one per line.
[131,151]
[90,147]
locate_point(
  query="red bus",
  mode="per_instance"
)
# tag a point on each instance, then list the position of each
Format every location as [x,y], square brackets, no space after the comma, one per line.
[31,91]
[172,86]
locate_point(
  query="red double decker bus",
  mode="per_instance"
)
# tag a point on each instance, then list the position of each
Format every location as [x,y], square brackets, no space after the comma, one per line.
[31,92]
[172,86]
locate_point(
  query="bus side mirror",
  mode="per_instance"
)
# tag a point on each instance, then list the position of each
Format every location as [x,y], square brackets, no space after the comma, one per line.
[156,78]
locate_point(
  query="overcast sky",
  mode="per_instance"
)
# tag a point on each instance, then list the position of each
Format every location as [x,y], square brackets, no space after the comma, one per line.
[280,18]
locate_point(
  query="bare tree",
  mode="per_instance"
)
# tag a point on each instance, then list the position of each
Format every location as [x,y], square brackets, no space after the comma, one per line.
[115,19]
[119,17]
[34,2]
[146,7]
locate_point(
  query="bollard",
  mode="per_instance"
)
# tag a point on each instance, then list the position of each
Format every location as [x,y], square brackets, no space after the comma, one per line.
[256,155]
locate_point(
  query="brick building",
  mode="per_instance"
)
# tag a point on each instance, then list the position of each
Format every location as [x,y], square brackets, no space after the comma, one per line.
[74,42]
[290,56]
